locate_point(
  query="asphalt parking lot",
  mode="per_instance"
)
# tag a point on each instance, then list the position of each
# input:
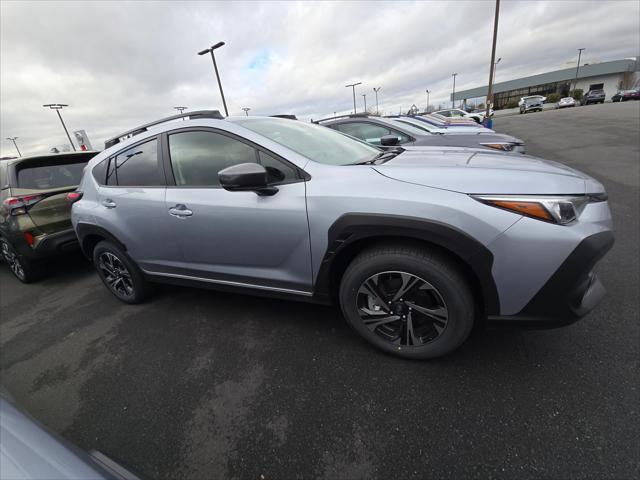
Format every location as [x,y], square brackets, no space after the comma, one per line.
[200,384]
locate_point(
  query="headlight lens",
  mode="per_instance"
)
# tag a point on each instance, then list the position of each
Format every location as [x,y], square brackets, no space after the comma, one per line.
[505,147]
[562,210]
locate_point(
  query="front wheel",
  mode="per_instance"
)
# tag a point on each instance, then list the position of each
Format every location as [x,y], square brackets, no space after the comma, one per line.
[407,301]
[119,273]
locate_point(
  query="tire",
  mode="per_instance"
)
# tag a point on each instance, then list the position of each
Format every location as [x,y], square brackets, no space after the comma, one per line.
[119,273]
[24,270]
[435,283]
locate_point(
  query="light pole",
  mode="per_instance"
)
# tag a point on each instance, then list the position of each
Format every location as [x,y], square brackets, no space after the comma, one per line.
[575,84]
[181,109]
[377,90]
[246,110]
[427,110]
[13,139]
[453,96]
[493,59]
[215,67]
[57,107]
[364,95]
[353,86]
[493,79]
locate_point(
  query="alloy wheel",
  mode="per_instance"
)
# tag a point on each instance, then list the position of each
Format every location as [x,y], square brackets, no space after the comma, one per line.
[12,260]
[115,274]
[402,308]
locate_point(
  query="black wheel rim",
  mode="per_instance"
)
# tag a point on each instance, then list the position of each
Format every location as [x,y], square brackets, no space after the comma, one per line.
[115,274]
[12,260]
[402,308]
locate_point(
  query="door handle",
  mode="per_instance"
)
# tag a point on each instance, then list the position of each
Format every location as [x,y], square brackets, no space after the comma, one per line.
[180,211]
[108,203]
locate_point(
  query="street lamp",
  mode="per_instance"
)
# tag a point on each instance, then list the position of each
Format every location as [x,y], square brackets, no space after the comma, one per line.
[57,107]
[13,139]
[353,86]
[427,110]
[246,110]
[215,67]
[377,90]
[364,95]
[181,109]
[575,85]
[453,96]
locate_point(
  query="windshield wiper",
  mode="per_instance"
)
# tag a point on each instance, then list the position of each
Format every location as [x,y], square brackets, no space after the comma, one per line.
[381,157]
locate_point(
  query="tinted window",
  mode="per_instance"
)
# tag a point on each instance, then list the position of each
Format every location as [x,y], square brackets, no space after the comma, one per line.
[277,171]
[317,143]
[100,172]
[370,132]
[197,157]
[46,177]
[136,167]
[445,113]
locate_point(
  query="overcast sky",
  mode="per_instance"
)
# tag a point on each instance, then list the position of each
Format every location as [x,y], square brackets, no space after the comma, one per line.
[120,64]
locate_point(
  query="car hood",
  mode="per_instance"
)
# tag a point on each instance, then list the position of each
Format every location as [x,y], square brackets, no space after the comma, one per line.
[466,139]
[475,171]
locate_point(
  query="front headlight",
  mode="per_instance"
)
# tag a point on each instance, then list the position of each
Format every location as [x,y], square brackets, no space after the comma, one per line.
[503,146]
[558,209]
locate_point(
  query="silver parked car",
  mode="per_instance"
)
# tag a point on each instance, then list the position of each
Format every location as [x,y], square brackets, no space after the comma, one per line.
[566,102]
[415,244]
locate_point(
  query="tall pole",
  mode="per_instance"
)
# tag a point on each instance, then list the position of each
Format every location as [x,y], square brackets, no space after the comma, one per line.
[13,139]
[353,86]
[57,107]
[246,110]
[453,96]
[364,95]
[493,59]
[427,110]
[575,84]
[377,90]
[215,67]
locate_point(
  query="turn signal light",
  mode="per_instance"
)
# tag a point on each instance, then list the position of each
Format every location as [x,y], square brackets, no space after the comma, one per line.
[530,209]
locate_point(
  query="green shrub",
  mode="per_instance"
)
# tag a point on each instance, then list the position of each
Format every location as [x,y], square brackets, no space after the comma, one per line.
[512,104]
[576,94]
[553,98]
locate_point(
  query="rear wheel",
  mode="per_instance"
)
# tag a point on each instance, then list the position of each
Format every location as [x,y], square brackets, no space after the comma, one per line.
[407,301]
[24,270]
[119,273]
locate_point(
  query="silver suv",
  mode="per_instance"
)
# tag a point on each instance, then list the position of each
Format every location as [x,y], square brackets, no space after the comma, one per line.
[415,244]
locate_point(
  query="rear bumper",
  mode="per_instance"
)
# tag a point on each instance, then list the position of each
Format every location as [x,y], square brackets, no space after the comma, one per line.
[48,245]
[571,292]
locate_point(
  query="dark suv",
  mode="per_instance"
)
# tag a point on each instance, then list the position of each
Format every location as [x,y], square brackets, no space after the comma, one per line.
[34,211]
[593,96]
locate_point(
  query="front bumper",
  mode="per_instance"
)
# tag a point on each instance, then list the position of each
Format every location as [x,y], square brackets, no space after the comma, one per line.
[571,292]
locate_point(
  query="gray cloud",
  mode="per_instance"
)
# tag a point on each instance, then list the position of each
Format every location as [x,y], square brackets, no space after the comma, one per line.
[121,64]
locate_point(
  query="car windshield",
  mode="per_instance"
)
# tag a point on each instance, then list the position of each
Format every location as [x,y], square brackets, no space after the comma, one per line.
[595,92]
[320,144]
[406,127]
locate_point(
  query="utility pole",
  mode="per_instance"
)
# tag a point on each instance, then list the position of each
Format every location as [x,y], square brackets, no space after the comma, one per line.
[575,84]
[215,67]
[246,110]
[427,110]
[364,95]
[377,90]
[353,86]
[57,107]
[13,139]
[493,59]
[453,96]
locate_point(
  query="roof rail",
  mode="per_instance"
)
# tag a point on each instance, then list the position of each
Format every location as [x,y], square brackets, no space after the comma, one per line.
[143,128]
[289,116]
[351,115]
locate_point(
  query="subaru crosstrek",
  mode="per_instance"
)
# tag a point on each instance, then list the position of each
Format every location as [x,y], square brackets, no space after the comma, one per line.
[35,221]
[414,244]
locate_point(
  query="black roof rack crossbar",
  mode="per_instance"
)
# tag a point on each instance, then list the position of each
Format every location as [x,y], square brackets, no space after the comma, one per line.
[351,115]
[289,116]
[143,128]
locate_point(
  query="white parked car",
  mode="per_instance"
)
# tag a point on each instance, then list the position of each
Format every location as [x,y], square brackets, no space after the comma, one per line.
[532,97]
[459,113]
[566,102]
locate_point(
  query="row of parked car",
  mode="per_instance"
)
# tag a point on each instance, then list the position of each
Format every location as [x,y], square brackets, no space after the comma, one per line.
[417,227]
[534,103]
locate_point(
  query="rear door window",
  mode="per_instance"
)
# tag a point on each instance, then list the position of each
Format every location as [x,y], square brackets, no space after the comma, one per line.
[137,166]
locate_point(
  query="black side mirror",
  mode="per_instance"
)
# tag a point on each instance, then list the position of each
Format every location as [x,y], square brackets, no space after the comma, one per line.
[246,177]
[389,141]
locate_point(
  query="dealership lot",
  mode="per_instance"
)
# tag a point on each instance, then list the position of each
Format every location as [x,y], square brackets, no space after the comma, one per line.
[203,384]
